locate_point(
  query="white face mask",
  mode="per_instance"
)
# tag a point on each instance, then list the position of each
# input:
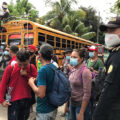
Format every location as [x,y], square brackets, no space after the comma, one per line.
[112,40]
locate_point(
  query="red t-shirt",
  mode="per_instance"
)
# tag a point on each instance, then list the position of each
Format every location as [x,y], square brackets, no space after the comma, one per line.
[19,83]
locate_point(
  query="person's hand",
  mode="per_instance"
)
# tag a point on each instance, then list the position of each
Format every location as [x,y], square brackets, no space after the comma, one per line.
[80,116]
[23,72]
[66,109]
[31,81]
[91,68]
[5,104]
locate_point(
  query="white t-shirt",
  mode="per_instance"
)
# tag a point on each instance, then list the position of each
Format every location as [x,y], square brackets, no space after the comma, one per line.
[54,63]
[1,11]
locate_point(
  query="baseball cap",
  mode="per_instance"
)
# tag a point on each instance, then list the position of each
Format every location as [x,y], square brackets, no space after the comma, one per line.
[113,23]
[68,50]
[93,48]
[32,47]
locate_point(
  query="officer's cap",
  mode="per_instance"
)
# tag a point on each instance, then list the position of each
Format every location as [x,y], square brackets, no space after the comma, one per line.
[113,23]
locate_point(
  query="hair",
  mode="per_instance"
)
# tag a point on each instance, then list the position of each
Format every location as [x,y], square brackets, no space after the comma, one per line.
[23,55]
[4,3]
[46,51]
[14,49]
[82,52]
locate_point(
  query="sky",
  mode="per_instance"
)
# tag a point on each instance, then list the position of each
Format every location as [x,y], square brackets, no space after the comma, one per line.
[102,7]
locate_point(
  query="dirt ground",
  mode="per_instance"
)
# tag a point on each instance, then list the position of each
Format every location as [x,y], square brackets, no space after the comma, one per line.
[3,113]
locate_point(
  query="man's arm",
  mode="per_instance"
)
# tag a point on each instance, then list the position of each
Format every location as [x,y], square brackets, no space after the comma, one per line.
[39,91]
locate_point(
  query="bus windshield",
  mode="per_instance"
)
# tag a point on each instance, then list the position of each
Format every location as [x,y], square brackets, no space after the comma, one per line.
[14,42]
[14,39]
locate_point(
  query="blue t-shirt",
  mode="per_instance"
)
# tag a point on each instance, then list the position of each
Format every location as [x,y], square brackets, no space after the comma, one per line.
[45,78]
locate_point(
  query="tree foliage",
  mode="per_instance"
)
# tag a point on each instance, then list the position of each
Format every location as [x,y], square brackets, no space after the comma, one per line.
[21,9]
[93,21]
[63,18]
[116,8]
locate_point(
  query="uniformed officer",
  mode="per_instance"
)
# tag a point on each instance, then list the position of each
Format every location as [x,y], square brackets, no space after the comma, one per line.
[108,107]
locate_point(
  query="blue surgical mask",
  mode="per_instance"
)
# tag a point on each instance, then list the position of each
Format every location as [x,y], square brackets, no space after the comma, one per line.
[73,61]
[1,47]
[68,57]
[6,53]
[91,54]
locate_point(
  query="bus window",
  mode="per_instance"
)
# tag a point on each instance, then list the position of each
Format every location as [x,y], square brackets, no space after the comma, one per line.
[100,50]
[57,42]
[41,38]
[2,39]
[50,40]
[68,43]
[28,26]
[3,29]
[14,39]
[28,39]
[63,43]
[77,46]
[73,44]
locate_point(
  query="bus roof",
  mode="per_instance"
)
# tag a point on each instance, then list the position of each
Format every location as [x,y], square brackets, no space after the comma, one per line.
[19,22]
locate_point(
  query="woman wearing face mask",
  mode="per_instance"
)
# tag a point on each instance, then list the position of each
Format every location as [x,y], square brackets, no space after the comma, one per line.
[80,79]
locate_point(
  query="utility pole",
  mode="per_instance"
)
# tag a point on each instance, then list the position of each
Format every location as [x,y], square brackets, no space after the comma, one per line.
[98,25]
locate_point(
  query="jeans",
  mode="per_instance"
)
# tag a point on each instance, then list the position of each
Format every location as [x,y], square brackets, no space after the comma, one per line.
[19,110]
[67,116]
[47,116]
[74,111]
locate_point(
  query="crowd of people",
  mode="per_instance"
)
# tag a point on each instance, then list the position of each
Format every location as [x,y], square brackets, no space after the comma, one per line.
[30,72]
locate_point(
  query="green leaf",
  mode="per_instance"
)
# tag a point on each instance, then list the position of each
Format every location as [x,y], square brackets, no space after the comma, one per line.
[89,35]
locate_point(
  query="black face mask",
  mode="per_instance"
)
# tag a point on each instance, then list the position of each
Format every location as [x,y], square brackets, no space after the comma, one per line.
[31,53]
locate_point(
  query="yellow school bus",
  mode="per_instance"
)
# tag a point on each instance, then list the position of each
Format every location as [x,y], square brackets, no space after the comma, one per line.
[25,32]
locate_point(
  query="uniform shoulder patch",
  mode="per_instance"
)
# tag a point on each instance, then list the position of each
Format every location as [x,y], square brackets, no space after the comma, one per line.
[110,69]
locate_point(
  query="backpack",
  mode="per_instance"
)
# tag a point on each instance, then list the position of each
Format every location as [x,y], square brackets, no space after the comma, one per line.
[97,84]
[92,73]
[61,90]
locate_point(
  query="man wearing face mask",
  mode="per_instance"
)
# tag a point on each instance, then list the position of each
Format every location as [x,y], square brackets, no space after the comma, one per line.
[94,63]
[108,107]
[66,62]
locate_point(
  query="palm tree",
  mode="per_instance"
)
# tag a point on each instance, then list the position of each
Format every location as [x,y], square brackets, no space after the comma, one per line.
[63,18]
[74,25]
[60,9]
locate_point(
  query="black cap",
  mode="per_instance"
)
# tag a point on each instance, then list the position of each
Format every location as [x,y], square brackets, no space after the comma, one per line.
[68,50]
[114,23]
